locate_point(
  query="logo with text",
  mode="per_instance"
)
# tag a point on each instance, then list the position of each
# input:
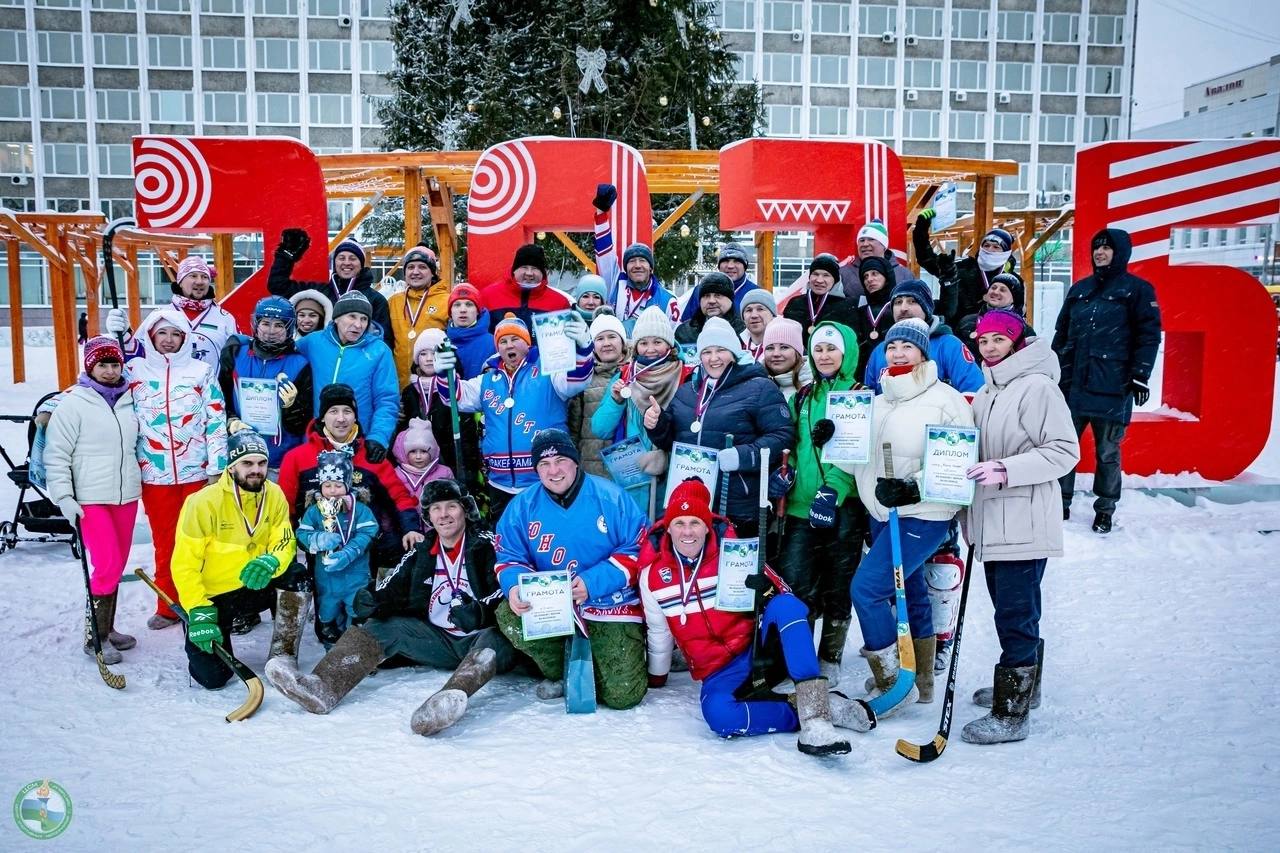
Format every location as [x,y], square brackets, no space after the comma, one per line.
[42,809]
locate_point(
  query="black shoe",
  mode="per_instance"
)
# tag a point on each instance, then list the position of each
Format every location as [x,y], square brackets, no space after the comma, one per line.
[245,624]
[1102,522]
[1066,513]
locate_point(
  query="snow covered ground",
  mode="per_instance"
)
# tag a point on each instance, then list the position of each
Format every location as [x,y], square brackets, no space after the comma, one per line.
[1156,729]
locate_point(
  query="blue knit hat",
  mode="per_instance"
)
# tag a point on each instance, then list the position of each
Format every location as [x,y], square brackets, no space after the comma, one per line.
[334,466]
[638,250]
[919,291]
[553,442]
[350,245]
[913,331]
[590,283]
[1003,237]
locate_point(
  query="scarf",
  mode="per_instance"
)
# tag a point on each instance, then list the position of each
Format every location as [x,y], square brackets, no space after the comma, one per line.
[659,381]
[349,446]
[990,261]
[110,393]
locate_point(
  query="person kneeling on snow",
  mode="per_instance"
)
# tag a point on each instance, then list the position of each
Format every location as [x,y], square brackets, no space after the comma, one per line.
[234,539]
[436,608]
[678,590]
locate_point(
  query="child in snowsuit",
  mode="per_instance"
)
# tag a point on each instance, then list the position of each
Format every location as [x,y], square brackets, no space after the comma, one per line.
[339,542]
[418,458]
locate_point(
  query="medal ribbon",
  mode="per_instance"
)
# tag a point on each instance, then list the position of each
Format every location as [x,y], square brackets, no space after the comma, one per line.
[412,318]
[257,520]
[685,594]
[704,398]
[813,315]
[875,318]
[416,482]
[452,577]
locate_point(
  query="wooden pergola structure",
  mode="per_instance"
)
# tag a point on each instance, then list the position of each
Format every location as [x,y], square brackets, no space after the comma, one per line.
[70,241]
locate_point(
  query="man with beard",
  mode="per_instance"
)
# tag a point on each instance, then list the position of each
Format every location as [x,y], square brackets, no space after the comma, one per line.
[208,325]
[422,305]
[234,539]
[349,272]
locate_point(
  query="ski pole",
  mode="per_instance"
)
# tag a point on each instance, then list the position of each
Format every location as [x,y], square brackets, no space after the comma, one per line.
[113,680]
[906,651]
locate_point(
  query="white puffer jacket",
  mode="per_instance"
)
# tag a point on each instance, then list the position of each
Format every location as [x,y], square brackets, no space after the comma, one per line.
[89,449]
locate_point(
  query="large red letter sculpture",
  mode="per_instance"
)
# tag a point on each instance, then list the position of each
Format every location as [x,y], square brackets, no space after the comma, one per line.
[1220,327]
[234,184]
[546,184]
[829,188]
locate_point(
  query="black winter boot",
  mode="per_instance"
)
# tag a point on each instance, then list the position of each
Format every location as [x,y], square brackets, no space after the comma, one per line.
[831,647]
[982,696]
[121,641]
[1102,522]
[447,705]
[356,654]
[1009,719]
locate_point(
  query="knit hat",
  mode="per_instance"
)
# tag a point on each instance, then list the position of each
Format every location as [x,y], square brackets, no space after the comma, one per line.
[782,330]
[429,339]
[733,252]
[638,250]
[422,254]
[1019,290]
[912,330]
[877,263]
[715,282]
[553,442]
[510,324]
[607,323]
[1002,322]
[590,283]
[717,332]
[653,322]
[530,255]
[826,334]
[875,230]
[100,349]
[352,302]
[690,498]
[759,296]
[919,291]
[466,291]
[416,436]
[274,308]
[1001,236]
[245,444]
[827,263]
[337,394]
[350,245]
[334,467]
[324,303]
[190,264]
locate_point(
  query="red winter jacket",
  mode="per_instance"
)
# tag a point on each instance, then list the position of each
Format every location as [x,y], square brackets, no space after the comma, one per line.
[505,297]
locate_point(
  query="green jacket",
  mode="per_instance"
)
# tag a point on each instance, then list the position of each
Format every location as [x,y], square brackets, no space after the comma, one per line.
[807,408]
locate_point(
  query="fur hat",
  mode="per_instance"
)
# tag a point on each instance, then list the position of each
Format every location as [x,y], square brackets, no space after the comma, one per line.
[715,282]
[438,491]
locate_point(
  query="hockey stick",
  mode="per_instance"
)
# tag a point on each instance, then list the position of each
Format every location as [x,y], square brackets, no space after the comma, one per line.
[906,651]
[459,471]
[109,263]
[924,753]
[760,668]
[782,502]
[723,508]
[251,681]
[113,680]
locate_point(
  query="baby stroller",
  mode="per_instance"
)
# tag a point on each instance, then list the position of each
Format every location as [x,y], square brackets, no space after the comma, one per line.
[37,515]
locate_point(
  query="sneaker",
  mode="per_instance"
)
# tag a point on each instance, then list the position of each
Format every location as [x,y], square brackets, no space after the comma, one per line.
[1102,522]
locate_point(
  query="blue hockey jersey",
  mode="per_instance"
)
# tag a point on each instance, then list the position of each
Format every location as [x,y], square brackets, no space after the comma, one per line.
[956,366]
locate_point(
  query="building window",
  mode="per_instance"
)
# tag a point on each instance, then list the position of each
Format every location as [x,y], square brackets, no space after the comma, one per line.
[369,106]
[277,108]
[968,125]
[276,54]
[222,7]
[1012,127]
[877,20]
[377,57]
[1054,177]
[1106,29]
[1016,26]
[782,16]
[744,67]
[59,48]
[738,14]
[782,68]
[56,4]
[783,120]
[113,5]
[1013,76]
[329,55]
[877,71]
[1102,80]
[66,158]
[15,102]
[830,18]
[225,108]
[115,50]
[169,51]
[331,110]
[828,70]
[183,6]
[1013,183]
[17,158]
[873,121]
[279,8]
[921,124]
[67,205]
[223,52]
[13,46]
[1101,128]
[62,103]
[328,8]
[116,208]
[924,23]
[969,24]
[115,161]
[922,73]
[172,107]
[1061,28]
[968,74]
[1057,128]
[829,121]
[1058,79]
[118,105]
[380,9]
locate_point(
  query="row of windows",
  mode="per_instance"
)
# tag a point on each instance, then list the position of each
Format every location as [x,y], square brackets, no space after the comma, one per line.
[963,126]
[278,8]
[874,20]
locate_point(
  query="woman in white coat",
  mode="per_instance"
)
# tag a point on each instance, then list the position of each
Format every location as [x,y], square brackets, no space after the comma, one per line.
[1027,443]
[92,474]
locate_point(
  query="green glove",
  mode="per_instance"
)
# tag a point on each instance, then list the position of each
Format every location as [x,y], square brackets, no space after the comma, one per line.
[202,628]
[259,571]
[928,213]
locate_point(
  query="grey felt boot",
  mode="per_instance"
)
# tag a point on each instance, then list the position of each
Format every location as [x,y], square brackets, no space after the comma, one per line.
[99,610]
[1009,719]
[286,630]
[447,705]
[121,641]
[982,696]
[356,654]
[884,672]
[817,734]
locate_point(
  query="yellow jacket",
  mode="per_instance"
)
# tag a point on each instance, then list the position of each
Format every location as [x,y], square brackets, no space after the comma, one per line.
[434,314]
[212,543]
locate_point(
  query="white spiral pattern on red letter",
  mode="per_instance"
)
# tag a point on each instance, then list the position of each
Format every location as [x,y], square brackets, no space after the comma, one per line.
[502,188]
[172,181]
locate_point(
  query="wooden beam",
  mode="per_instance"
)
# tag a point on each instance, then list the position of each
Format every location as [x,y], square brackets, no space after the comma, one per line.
[440,203]
[224,260]
[1028,267]
[355,221]
[1053,228]
[17,336]
[89,269]
[575,250]
[50,253]
[764,259]
[412,206]
[676,215]
[62,298]
[920,197]
[984,198]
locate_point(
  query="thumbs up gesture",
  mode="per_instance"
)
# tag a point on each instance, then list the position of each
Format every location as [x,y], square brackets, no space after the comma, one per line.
[652,413]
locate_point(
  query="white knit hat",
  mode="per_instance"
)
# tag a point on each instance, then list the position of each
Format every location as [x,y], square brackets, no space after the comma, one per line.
[607,323]
[429,339]
[876,230]
[653,322]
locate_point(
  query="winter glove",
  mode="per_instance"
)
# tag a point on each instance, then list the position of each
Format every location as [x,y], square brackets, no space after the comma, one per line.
[70,509]
[926,216]
[947,267]
[336,561]
[446,360]
[325,541]
[364,605]
[288,393]
[988,473]
[234,425]
[259,571]
[822,432]
[294,241]
[1140,390]
[653,462]
[577,331]
[606,195]
[656,681]
[728,459]
[758,581]
[374,451]
[117,321]
[895,492]
[467,616]
[202,628]
[780,483]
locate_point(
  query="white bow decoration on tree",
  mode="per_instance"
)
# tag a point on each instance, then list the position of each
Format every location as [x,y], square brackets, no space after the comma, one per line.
[461,14]
[591,64]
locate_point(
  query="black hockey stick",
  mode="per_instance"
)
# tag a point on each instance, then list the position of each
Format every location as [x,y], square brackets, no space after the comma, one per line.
[109,263]
[113,680]
[251,681]
[924,753]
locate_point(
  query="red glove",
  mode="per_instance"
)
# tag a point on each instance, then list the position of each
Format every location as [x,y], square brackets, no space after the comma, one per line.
[656,681]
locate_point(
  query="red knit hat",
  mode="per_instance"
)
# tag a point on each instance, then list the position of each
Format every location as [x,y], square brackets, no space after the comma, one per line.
[467,292]
[99,349]
[691,497]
